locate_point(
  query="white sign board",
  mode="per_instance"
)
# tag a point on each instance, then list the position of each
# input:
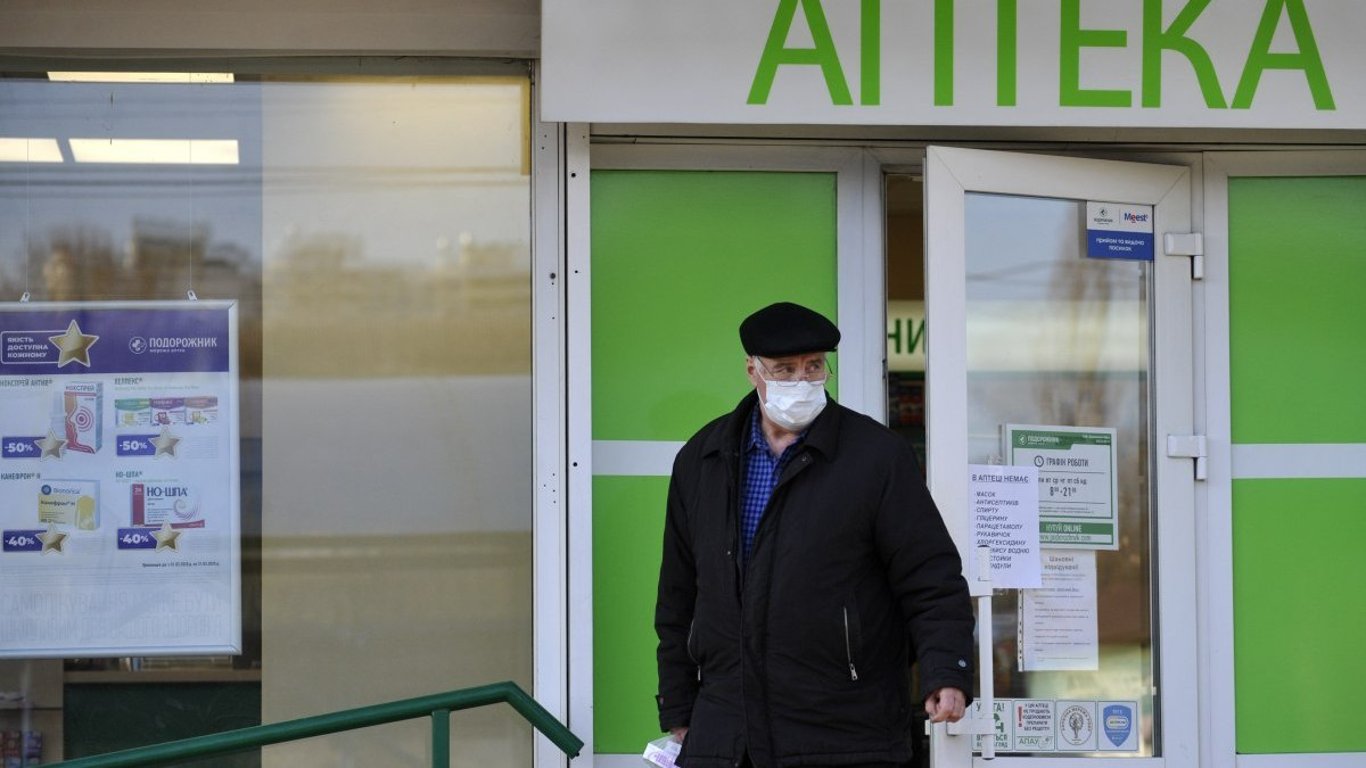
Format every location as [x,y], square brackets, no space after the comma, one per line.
[1078,484]
[1224,63]
[119,505]
[1005,518]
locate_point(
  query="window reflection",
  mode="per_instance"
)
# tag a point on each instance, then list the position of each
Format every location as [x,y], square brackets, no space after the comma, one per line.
[376,236]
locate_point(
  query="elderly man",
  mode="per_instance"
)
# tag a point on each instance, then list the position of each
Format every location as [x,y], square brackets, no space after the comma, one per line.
[803,561]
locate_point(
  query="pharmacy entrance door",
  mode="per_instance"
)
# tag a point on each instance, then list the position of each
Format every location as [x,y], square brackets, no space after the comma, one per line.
[1059,419]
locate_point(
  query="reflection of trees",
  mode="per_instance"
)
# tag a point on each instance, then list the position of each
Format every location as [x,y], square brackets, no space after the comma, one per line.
[1099,386]
[1079,291]
[77,263]
[1094,396]
[331,312]
[162,260]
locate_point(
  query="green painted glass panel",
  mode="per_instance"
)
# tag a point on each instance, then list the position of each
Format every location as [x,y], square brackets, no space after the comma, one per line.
[1299,629]
[1297,268]
[102,718]
[679,259]
[628,525]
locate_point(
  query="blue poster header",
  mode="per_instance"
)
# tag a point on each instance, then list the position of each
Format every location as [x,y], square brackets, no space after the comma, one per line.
[36,341]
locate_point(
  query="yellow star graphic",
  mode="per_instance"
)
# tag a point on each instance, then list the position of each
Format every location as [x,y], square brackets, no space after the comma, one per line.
[73,345]
[167,538]
[165,443]
[51,445]
[53,540]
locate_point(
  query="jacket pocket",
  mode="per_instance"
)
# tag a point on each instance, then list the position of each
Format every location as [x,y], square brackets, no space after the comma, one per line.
[851,635]
[692,653]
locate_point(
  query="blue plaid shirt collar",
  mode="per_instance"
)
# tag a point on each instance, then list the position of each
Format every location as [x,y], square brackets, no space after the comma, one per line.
[762,471]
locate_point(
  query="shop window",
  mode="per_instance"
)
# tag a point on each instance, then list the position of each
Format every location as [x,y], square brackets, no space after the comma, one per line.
[374,233]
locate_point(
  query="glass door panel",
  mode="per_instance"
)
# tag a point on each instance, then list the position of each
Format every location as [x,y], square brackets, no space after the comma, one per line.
[1040,354]
[1059,339]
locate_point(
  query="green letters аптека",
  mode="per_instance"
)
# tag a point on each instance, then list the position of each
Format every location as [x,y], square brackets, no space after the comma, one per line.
[822,53]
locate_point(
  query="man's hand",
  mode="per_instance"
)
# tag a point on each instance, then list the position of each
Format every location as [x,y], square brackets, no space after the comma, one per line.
[681,732]
[945,705]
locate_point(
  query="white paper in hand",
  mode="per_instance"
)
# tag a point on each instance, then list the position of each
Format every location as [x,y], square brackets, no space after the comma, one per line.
[662,752]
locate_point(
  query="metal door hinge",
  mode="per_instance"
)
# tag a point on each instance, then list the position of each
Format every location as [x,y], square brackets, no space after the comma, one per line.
[1190,244]
[1190,447]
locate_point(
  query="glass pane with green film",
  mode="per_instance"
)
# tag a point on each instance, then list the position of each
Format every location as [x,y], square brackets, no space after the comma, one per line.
[1297,260]
[679,259]
[1297,263]
[628,526]
[1297,620]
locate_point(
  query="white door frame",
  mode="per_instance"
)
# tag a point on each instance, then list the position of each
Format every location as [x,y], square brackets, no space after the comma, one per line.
[549,528]
[950,174]
[860,297]
[1227,464]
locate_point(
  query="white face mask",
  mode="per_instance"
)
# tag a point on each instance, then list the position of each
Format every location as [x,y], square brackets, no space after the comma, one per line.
[793,405]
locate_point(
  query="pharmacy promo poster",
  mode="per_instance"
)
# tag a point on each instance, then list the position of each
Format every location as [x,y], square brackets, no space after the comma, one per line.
[119,506]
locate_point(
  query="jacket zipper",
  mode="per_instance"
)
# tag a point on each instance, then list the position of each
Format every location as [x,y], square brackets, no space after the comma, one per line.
[848,650]
[691,655]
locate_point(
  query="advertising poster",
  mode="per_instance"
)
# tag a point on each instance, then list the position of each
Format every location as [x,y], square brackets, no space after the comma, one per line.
[119,507]
[1078,482]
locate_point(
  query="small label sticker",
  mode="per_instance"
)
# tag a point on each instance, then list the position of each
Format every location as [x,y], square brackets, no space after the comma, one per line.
[1034,730]
[1119,231]
[1002,723]
[1119,726]
[1077,726]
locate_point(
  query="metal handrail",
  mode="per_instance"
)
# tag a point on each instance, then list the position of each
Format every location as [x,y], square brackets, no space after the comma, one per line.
[439,706]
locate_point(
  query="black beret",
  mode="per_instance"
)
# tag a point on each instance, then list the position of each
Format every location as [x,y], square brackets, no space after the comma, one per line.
[783,329]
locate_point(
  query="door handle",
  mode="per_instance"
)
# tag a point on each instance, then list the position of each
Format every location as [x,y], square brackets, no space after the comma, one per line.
[980,588]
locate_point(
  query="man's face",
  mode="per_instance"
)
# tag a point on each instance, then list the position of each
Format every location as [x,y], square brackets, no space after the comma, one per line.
[808,367]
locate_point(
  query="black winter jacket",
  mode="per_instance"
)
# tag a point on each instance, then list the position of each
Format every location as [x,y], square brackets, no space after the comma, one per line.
[800,656]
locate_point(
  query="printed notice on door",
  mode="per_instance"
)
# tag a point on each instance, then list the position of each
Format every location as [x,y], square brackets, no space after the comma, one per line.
[1078,491]
[119,506]
[1058,620]
[1005,519]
